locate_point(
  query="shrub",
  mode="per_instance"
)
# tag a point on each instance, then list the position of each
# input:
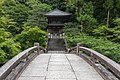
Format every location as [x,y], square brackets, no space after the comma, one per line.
[31,35]
[8,47]
[3,57]
[105,47]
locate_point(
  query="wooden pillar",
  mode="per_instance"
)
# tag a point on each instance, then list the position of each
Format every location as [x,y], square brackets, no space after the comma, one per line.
[36,44]
[38,50]
[78,45]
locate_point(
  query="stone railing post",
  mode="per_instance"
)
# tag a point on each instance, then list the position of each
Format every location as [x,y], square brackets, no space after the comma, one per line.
[38,50]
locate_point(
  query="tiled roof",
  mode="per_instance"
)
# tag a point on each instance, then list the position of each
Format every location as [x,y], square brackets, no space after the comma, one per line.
[57,12]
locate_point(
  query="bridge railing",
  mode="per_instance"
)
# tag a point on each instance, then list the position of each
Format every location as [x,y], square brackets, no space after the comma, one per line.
[14,67]
[107,68]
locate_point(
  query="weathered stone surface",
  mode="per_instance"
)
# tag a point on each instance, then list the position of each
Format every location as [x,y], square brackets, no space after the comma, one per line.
[58,60]
[60,79]
[88,76]
[31,78]
[59,66]
[82,69]
[42,58]
[59,63]
[60,75]
[34,72]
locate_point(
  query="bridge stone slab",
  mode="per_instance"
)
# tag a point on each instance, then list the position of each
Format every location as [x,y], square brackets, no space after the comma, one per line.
[58,60]
[82,69]
[31,78]
[60,75]
[59,66]
[58,63]
[60,79]
[34,72]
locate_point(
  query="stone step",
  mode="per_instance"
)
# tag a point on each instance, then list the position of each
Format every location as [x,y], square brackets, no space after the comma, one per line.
[56,44]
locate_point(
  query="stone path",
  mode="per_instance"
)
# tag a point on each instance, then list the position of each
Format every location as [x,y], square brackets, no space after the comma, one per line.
[59,66]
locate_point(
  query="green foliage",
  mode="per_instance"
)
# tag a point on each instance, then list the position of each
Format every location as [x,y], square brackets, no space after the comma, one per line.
[3,57]
[116,31]
[112,34]
[36,14]
[70,6]
[108,4]
[8,24]
[118,4]
[105,47]
[18,13]
[100,31]
[5,21]
[1,7]
[87,8]
[15,15]
[117,21]
[103,32]
[85,17]
[31,35]
[8,47]
[87,21]
[4,35]
[69,27]
[56,3]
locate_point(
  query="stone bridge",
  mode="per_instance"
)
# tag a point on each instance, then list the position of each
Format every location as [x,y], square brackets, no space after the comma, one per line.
[77,63]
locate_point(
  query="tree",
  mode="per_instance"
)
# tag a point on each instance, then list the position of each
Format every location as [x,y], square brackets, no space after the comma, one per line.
[70,5]
[36,14]
[5,21]
[17,12]
[116,31]
[60,4]
[8,47]
[21,1]
[86,18]
[1,7]
[108,6]
[79,6]
[117,4]
[31,35]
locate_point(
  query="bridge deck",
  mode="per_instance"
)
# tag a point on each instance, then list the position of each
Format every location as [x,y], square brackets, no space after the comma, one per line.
[59,66]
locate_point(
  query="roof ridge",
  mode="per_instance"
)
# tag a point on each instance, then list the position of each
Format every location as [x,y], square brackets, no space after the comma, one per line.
[58,12]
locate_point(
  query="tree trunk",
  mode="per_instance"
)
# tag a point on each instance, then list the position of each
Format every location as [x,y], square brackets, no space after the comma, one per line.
[108,17]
